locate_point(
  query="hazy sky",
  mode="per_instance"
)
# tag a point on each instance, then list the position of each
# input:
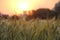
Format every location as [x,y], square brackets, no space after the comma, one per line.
[8,6]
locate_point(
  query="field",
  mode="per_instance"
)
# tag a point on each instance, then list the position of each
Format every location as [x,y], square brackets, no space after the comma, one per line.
[34,29]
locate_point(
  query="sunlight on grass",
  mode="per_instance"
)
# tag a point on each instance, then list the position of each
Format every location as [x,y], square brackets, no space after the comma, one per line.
[29,30]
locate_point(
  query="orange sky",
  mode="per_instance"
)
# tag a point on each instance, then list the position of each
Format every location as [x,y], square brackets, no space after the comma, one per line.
[10,6]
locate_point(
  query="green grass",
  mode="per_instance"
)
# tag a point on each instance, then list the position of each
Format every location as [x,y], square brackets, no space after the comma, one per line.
[29,30]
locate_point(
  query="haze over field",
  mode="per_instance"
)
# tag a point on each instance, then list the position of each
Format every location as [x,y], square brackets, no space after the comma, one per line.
[10,6]
[29,20]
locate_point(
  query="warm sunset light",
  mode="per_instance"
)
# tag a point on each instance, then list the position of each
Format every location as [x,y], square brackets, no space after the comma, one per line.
[29,19]
[23,6]
[18,6]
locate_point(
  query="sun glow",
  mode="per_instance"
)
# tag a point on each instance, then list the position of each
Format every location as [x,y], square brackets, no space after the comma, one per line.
[18,7]
[23,6]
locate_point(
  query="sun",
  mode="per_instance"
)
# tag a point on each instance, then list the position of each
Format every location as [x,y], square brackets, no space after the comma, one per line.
[23,6]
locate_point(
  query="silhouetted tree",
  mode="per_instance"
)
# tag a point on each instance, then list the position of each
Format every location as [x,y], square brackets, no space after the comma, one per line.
[30,15]
[57,7]
[5,16]
[15,17]
[42,13]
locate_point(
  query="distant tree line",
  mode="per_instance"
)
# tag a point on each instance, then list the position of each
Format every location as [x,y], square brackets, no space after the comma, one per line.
[42,13]
[45,13]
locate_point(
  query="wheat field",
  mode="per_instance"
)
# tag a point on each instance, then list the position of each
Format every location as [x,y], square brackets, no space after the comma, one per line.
[34,29]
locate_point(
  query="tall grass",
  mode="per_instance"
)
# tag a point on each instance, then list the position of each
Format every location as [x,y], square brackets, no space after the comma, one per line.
[29,30]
